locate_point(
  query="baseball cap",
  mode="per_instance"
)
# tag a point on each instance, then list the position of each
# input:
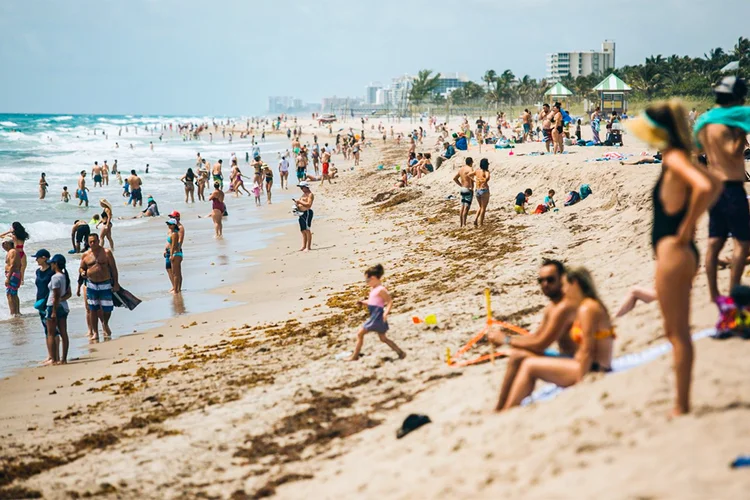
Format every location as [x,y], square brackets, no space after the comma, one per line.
[172,222]
[41,253]
[57,259]
[731,85]
[303,184]
[175,214]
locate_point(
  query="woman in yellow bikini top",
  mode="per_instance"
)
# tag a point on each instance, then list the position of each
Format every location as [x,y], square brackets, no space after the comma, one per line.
[592,331]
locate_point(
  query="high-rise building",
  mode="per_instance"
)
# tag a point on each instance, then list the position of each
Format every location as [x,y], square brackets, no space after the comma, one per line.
[280,104]
[371,93]
[448,82]
[578,64]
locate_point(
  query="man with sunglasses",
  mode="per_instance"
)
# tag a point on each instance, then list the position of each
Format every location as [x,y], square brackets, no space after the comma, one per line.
[555,327]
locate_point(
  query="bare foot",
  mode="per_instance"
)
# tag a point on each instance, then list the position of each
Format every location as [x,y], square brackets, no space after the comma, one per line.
[47,362]
[401,355]
[353,358]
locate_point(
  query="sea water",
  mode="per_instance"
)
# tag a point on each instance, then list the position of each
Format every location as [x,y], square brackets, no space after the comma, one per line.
[63,145]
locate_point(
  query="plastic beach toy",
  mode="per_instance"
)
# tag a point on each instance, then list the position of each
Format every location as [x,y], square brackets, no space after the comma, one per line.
[428,320]
[380,167]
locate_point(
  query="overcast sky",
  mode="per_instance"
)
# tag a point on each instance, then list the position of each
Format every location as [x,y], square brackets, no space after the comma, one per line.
[225,57]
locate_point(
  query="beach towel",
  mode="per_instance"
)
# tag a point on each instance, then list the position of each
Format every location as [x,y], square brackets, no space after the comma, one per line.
[572,198]
[736,116]
[613,156]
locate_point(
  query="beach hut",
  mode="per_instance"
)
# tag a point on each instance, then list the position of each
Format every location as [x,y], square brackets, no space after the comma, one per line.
[558,93]
[613,94]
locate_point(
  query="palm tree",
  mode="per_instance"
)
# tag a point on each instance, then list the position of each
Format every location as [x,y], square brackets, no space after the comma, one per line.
[489,78]
[423,86]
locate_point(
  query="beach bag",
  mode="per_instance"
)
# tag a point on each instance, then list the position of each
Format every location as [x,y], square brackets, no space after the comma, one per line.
[540,209]
[734,314]
[572,198]
[585,191]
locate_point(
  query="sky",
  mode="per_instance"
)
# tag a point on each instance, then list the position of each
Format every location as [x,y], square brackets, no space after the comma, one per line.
[225,57]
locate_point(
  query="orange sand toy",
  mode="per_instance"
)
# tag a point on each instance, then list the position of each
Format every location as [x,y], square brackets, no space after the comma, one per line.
[451,359]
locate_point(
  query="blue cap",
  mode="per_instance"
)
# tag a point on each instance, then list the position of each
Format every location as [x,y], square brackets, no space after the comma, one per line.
[58,259]
[41,253]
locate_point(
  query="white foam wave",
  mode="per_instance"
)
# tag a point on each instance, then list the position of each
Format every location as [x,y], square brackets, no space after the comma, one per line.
[48,231]
[8,124]
[62,118]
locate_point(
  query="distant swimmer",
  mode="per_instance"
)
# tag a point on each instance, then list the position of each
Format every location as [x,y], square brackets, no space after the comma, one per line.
[81,194]
[136,186]
[99,267]
[43,186]
[465,179]
[96,174]
[79,235]
[65,196]
[216,174]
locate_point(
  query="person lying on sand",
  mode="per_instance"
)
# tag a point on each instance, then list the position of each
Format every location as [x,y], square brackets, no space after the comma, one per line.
[379,304]
[557,319]
[592,331]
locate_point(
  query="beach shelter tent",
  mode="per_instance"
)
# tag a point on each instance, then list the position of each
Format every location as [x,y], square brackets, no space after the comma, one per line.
[613,94]
[558,93]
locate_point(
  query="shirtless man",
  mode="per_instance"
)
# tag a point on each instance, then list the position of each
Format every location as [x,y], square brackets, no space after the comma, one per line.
[80,235]
[81,194]
[105,173]
[724,147]
[96,174]
[304,205]
[136,193]
[326,160]
[557,131]
[526,119]
[465,179]
[100,270]
[301,161]
[216,174]
[284,172]
[545,118]
[12,277]
[555,326]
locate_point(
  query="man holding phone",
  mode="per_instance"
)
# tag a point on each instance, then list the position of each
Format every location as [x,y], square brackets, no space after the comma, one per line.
[304,206]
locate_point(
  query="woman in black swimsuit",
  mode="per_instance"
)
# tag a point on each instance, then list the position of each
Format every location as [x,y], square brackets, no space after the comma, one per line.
[683,192]
[106,222]
[189,180]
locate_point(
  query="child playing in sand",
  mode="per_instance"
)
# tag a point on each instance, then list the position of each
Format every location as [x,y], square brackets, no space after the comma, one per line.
[256,193]
[521,200]
[65,196]
[549,200]
[379,304]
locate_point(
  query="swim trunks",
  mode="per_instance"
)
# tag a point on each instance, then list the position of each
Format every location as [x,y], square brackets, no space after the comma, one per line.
[526,128]
[97,178]
[325,168]
[301,174]
[14,283]
[217,178]
[135,195]
[99,295]
[467,195]
[305,220]
[519,209]
[730,214]
[547,134]
[82,234]
[82,195]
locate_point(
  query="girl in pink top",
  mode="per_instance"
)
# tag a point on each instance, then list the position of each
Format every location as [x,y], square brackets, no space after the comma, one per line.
[379,304]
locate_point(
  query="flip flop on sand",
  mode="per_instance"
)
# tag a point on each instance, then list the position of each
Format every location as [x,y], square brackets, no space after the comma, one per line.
[411,423]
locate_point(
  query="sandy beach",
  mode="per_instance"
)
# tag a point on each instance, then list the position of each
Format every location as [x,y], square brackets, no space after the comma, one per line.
[251,401]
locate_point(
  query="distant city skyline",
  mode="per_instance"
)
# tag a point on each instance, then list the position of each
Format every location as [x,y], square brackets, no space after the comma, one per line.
[190,57]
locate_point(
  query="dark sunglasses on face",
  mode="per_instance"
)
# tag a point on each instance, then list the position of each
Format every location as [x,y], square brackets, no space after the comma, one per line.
[547,279]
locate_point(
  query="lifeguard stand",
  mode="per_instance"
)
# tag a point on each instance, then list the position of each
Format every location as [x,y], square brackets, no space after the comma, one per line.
[613,94]
[559,93]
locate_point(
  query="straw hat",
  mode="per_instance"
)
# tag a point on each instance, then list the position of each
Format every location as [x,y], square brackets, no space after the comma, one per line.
[647,130]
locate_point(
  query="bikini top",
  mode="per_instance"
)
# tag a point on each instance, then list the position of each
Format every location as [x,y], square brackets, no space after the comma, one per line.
[576,334]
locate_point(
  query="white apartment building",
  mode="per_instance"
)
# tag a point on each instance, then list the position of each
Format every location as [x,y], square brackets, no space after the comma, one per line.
[578,64]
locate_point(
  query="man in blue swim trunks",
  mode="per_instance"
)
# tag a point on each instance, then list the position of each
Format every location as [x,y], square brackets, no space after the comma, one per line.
[557,320]
[81,191]
[99,267]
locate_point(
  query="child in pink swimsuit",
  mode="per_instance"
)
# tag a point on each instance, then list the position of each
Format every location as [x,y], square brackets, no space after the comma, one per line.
[379,304]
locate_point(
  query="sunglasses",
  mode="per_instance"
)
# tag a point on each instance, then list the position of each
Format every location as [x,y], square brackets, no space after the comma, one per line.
[548,279]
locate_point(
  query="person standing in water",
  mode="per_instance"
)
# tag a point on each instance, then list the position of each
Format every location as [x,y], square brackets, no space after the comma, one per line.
[465,179]
[173,254]
[268,174]
[304,206]
[43,186]
[481,181]
[217,209]
[216,173]
[683,192]
[189,181]
[57,310]
[12,278]
[136,193]
[722,134]
[100,270]
[96,174]
[81,194]
[106,222]
[379,305]
[202,180]
[105,173]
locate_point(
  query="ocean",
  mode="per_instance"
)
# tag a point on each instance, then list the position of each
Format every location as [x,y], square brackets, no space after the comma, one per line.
[63,145]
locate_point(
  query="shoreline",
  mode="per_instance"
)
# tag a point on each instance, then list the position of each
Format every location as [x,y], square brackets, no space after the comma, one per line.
[254,402]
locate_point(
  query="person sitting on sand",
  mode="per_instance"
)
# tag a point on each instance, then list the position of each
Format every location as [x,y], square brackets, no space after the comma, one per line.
[379,304]
[549,200]
[521,200]
[557,318]
[404,180]
[461,143]
[592,331]
[448,153]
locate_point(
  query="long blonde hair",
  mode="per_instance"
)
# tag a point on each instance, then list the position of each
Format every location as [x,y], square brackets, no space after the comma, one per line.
[583,277]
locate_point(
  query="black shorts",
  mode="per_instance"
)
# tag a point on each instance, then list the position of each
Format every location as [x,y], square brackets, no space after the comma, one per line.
[305,220]
[82,234]
[730,214]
